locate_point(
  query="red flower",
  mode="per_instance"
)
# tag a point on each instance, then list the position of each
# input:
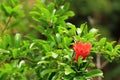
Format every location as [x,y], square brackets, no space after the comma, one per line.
[82,49]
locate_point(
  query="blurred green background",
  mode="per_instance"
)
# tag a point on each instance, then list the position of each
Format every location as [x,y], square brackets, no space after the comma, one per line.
[101,14]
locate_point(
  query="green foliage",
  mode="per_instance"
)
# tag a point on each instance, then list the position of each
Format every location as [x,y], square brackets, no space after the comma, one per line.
[50,57]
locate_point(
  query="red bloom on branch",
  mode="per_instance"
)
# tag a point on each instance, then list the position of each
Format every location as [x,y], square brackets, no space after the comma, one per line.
[82,49]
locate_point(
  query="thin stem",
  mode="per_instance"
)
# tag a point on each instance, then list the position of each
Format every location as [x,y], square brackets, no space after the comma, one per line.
[7,24]
[91,21]
[98,64]
[104,64]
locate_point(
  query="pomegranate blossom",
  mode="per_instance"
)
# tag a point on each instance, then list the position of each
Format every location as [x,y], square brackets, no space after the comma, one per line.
[81,49]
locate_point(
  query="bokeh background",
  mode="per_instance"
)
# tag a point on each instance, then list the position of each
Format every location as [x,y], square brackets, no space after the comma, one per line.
[101,14]
[105,15]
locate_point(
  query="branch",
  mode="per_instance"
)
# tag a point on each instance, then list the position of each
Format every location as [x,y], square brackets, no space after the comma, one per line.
[98,61]
[7,24]
[104,64]
[98,64]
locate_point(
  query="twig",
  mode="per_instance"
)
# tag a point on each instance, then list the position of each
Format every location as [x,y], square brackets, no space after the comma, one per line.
[98,61]
[7,24]
[91,21]
[98,64]
[104,64]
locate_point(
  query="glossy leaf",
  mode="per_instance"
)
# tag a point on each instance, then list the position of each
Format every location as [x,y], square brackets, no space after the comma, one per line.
[94,73]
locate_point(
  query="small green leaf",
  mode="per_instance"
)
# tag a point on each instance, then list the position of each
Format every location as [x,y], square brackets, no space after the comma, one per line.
[43,62]
[3,76]
[54,55]
[102,42]
[16,11]
[109,46]
[51,7]
[7,41]
[117,49]
[40,29]
[31,36]
[79,31]
[70,13]
[84,28]
[94,73]
[91,65]
[79,78]
[17,40]
[60,12]
[68,70]
[47,71]
[7,9]
[66,6]
[62,64]
[45,12]
[80,62]
[72,30]
[4,51]
[67,41]
[12,2]
[15,53]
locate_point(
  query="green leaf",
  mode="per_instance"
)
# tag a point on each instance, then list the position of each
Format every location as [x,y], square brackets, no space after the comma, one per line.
[7,41]
[72,30]
[70,13]
[79,31]
[94,73]
[79,78]
[91,65]
[67,41]
[17,40]
[31,36]
[59,2]
[34,13]
[102,42]
[54,55]
[62,64]
[53,19]
[4,51]
[47,71]
[12,2]
[15,53]
[60,12]
[62,30]
[40,29]
[109,46]
[43,62]
[80,62]
[3,76]
[68,70]
[45,12]
[7,10]
[84,29]
[51,7]
[16,11]
[117,49]
[66,6]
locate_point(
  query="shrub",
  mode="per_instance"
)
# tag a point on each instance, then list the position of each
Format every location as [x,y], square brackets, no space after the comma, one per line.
[50,56]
